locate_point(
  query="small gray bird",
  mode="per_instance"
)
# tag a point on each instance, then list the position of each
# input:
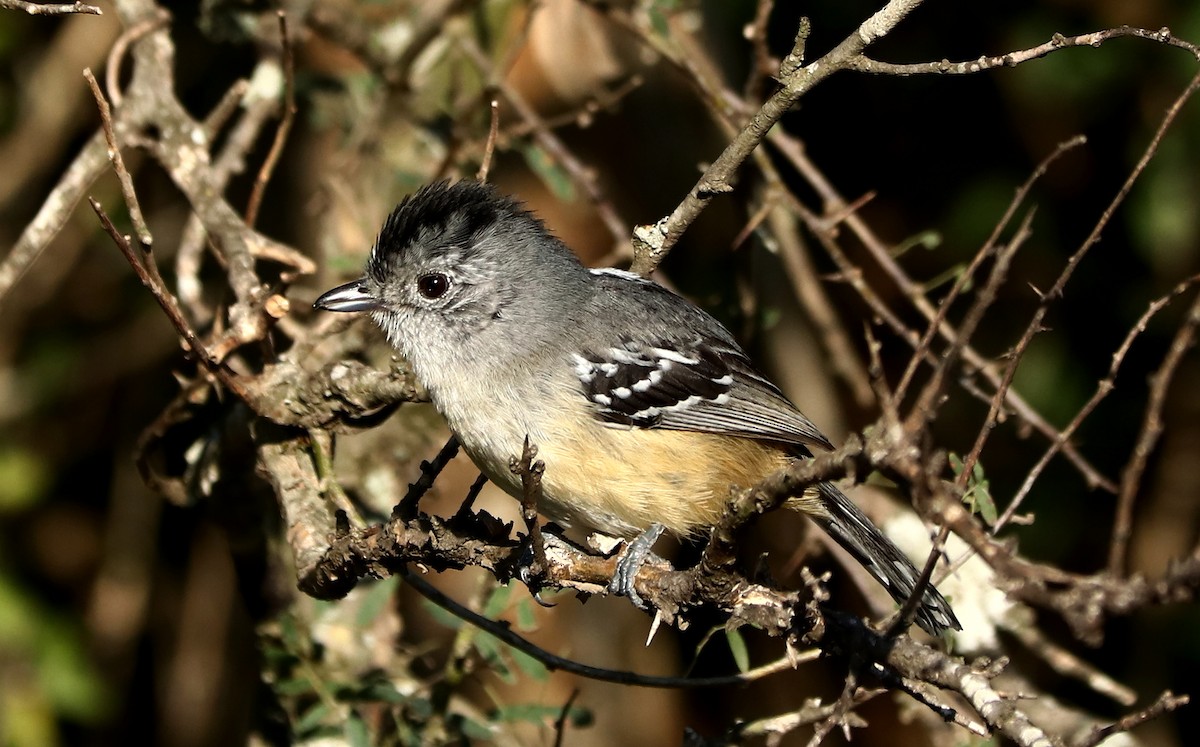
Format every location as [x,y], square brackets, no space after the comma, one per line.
[643,407]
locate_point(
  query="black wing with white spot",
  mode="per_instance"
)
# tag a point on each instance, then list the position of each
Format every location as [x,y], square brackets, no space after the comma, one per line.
[635,383]
[673,366]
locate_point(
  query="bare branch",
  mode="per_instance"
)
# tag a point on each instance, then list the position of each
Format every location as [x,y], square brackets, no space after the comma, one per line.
[651,243]
[1056,290]
[1152,428]
[1166,703]
[50,9]
[285,124]
[118,163]
[1103,389]
[864,64]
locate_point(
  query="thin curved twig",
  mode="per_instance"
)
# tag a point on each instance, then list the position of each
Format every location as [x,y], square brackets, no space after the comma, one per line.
[554,662]
[864,64]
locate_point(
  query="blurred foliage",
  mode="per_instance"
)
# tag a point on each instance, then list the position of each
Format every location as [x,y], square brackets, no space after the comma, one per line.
[320,697]
[45,672]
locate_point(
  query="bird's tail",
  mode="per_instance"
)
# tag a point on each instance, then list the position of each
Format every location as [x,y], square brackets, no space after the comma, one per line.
[847,524]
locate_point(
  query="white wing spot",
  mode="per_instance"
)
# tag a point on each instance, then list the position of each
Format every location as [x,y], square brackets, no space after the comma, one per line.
[684,404]
[584,369]
[623,274]
[674,355]
[648,383]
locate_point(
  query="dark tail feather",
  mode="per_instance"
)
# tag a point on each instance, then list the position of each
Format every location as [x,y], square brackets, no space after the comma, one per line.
[847,524]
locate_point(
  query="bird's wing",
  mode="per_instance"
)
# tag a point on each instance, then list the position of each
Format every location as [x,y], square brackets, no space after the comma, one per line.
[668,364]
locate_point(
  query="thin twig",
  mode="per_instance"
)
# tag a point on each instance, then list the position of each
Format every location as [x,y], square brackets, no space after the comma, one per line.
[810,712]
[468,504]
[490,146]
[505,634]
[965,277]
[819,308]
[926,405]
[118,163]
[765,65]
[58,205]
[1103,389]
[225,108]
[1166,703]
[229,161]
[406,509]
[1035,323]
[840,715]
[154,284]
[1068,664]
[651,243]
[864,64]
[285,124]
[580,174]
[321,442]
[1151,431]
[794,152]
[116,55]
[560,723]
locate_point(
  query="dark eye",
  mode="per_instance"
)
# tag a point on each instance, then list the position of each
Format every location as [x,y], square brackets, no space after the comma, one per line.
[433,285]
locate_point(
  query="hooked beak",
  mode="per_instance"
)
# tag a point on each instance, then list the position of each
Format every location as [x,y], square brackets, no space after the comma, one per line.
[352,296]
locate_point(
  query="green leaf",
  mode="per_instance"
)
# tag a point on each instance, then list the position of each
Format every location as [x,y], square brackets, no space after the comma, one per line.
[441,616]
[497,602]
[539,713]
[737,647]
[356,731]
[658,12]
[533,713]
[489,648]
[385,692]
[529,665]
[293,686]
[549,171]
[312,719]
[375,601]
[420,708]
[23,479]
[985,504]
[473,729]
[526,616]
[658,21]
[978,496]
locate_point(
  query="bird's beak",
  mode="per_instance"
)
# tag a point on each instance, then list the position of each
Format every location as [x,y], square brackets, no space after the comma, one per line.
[352,296]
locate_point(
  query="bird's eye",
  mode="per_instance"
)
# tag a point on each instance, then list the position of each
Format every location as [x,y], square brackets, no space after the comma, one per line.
[433,285]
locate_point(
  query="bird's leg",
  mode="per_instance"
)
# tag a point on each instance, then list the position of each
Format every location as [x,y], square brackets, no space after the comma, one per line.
[630,561]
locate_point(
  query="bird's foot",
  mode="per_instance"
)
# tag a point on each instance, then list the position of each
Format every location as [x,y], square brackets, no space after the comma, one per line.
[630,561]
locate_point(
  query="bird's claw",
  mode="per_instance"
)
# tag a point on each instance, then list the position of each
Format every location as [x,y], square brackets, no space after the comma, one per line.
[630,561]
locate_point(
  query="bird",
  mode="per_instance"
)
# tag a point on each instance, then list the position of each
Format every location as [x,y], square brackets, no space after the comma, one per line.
[644,408]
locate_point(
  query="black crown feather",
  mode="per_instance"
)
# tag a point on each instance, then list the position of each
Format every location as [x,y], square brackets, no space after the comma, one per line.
[466,209]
